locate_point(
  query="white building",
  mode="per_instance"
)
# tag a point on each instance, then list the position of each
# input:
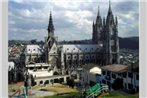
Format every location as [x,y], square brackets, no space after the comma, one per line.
[130,79]
[33,53]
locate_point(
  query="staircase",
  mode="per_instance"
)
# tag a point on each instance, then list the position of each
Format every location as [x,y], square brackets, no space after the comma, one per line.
[97,90]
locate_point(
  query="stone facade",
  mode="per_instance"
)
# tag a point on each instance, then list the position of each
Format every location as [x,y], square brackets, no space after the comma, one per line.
[105,32]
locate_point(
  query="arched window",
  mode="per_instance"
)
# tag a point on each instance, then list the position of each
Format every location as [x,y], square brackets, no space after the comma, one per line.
[41,82]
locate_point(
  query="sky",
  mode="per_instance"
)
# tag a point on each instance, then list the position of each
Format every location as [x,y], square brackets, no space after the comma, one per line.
[28,19]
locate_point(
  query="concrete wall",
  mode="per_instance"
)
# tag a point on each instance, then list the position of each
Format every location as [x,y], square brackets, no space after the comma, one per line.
[49,80]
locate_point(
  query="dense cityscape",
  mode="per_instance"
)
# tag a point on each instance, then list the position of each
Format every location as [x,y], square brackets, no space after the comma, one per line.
[101,67]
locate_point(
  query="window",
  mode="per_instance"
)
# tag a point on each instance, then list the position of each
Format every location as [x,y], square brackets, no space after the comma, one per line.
[113,76]
[130,75]
[41,82]
[124,75]
[130,86]
[67,48]
[104,73]
[137,77]
[103,81]
[73,48]
[108,73]
[33,49]
[75,57]
[28,49]
[31,68]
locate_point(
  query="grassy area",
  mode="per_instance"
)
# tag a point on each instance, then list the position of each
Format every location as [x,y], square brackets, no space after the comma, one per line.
[57,88]
[70,95]
[114,94]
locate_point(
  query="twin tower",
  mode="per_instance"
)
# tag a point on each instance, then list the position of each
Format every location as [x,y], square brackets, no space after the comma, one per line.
[105,33]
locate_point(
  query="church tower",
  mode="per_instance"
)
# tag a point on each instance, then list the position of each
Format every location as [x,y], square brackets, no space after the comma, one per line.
[97,29]
[105,32]
[50,39]
[111,42]
[50,28]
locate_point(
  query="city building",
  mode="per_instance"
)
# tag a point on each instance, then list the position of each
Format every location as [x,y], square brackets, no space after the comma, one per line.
[126,76]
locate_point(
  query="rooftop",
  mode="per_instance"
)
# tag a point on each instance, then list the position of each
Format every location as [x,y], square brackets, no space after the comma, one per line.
[80,48]
[33,49]
[118,68]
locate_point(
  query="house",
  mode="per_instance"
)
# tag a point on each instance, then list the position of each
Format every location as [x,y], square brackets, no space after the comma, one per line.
[131,78]
[127,76]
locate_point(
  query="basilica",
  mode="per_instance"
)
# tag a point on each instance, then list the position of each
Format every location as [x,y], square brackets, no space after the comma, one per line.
[64,58]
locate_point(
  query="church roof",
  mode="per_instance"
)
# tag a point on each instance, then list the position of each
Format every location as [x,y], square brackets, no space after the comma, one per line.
[80,48]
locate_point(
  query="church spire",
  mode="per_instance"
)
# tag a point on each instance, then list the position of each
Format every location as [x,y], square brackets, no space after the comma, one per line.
[98,19]
[109,11]
[98,14]
[116,22]
[110,18]
[93,23]
[104,21]
[50,25]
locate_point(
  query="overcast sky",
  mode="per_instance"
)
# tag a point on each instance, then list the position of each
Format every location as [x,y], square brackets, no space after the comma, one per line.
[72,19]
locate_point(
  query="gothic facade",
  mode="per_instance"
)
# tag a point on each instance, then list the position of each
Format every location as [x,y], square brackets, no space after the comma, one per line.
[51,50]
[104,49]
[105,32]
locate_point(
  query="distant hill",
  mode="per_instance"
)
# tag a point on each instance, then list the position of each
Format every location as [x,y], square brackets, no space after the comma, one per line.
[127,43]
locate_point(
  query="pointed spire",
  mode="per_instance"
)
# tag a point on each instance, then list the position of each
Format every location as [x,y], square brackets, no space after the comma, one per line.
[110,19]
[116,22]
[98,19]
[50,25]
[98,14]
[104,21]
[93,23]
[109,11]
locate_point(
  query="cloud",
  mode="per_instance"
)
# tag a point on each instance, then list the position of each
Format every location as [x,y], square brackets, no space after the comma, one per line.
[72,19]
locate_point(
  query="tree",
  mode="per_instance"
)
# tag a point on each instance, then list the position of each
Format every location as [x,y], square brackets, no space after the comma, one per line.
[33,41]
[71,83]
